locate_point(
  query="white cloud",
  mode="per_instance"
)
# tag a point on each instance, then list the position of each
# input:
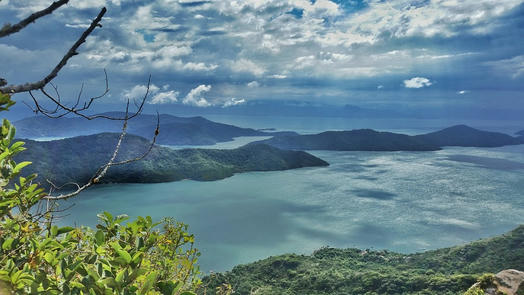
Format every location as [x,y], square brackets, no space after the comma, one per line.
[253,84]
[138,91]
[77,26]
[165,97]
[194,97]
[199,66]
[380,86]
[462,92]
[156,96]
[245,65]
[277,76]
[319,9]
[233,102]
[417,82]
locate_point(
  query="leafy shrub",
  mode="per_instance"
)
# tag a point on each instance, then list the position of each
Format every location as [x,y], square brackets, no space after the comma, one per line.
[38,257]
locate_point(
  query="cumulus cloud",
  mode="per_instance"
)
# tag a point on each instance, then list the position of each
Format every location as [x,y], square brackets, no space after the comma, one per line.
[139,91]
[195,96]
[245,65]
[233,102]
[157,95]
[165,97]
[253,84]
[320,43]
[417,82]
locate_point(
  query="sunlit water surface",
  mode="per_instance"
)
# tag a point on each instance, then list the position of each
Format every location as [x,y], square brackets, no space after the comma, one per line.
[402,201]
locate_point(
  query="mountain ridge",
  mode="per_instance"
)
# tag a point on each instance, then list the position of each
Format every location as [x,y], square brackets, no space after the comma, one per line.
[371,140]
[175,130]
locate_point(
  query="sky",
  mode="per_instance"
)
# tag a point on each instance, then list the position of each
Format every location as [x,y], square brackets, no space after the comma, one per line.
[421,54]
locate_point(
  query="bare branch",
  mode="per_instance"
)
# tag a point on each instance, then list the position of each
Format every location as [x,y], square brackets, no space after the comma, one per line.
[79,110]
[157,131]
[72,52]
[101,172]
[9,29]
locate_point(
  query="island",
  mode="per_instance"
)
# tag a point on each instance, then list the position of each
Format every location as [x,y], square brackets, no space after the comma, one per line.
[77,159]
[465,136]
[371,140]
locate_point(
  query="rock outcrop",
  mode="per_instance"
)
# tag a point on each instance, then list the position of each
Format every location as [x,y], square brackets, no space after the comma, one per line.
[507,282]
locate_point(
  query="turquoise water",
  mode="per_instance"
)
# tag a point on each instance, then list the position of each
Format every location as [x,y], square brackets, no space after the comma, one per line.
[402,201]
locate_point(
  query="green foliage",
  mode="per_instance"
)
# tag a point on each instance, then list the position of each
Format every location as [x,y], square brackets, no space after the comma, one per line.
[5,102]
[351,271]
[118,257]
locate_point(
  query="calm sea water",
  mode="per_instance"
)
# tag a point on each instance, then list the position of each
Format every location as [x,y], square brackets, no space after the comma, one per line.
[402,201]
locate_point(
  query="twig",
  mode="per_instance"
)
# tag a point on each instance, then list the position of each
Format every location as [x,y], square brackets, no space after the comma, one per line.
[79,111]
[9,29]
[72,52]
[101,172]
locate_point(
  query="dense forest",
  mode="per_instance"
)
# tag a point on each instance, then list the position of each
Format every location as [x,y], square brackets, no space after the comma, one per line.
[353,271]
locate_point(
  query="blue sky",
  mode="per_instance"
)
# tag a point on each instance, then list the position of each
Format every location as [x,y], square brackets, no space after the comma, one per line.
[205,54]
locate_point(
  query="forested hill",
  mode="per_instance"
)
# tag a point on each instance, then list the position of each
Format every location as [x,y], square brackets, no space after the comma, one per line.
[174,130]
[352,271]
[77,159]
[371,140]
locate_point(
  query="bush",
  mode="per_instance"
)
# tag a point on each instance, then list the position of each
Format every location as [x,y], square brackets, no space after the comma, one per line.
[38,257]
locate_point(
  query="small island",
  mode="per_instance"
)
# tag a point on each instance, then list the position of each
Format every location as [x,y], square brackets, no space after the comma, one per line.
[371,140]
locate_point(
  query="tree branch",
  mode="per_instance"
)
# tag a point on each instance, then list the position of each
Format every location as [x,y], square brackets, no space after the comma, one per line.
[9,29]
[79,110]
[101,172]
[72,52]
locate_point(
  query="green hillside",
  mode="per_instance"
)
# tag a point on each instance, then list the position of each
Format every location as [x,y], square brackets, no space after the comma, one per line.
[77,159]
[352,271]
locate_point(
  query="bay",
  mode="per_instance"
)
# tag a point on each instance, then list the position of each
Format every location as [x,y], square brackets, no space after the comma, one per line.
[401,201]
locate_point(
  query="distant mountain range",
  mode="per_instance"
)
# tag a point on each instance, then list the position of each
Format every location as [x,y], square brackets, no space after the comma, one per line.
[77,159]
[370,140]
[173,130]
[521,133]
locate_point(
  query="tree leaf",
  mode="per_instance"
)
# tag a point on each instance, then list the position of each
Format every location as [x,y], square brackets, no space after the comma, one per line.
[148,284]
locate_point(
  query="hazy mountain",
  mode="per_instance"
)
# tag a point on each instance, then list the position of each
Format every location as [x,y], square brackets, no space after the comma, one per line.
[353,271]
[173,130]
[77,159]
[521,133]
[354,140]
[462,135]
[370,140]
